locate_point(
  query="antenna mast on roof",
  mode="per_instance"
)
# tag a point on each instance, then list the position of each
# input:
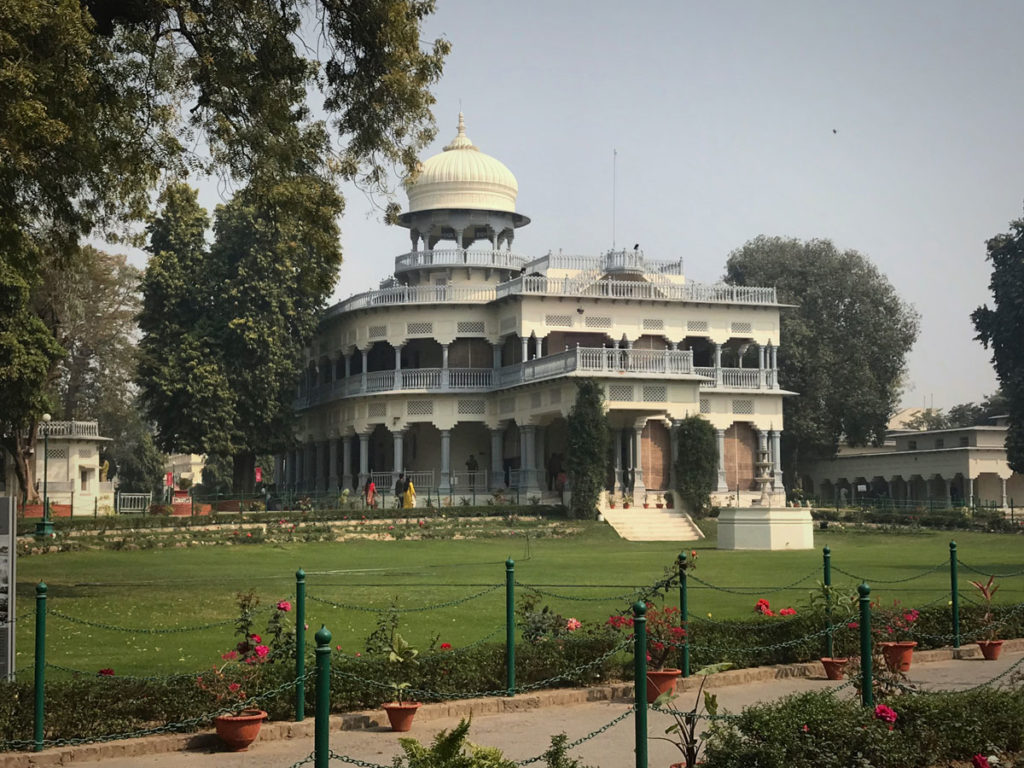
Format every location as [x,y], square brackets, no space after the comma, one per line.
[615,158]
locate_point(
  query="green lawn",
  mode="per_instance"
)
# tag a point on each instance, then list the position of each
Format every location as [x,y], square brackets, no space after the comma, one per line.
[187,587]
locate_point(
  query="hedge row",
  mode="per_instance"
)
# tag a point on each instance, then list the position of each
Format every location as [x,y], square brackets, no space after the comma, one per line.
[981,519]
[94,707]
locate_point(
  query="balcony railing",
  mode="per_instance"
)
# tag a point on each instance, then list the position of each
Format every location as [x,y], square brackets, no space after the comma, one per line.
[70,428]
[737,378]
[630,260]
[631,289]
[459,257]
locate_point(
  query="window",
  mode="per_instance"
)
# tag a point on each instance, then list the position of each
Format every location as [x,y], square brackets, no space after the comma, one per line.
[964,441]
[940,443]
[85,479]
[912,445]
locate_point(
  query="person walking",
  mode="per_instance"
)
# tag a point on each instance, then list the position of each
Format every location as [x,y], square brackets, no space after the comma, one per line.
[400,490]
[409,497]
[370,492]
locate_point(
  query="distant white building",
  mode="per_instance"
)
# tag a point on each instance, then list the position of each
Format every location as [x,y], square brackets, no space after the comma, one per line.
[460,370]
[186,466]
[74,482]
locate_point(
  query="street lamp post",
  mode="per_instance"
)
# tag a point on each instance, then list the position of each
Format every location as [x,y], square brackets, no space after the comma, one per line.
[44,529]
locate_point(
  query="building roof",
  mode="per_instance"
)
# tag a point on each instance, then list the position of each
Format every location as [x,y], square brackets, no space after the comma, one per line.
[462,176]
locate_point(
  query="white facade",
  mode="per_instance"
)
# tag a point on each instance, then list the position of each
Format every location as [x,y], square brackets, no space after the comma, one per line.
[468,356]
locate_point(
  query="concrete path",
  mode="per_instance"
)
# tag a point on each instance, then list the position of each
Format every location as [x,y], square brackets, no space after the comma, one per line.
[526,733]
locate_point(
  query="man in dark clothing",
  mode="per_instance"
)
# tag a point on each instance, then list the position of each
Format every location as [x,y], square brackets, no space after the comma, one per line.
[400,486]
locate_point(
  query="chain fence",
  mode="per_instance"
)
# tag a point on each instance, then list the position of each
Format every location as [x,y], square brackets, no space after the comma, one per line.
[420,609]
[922,574]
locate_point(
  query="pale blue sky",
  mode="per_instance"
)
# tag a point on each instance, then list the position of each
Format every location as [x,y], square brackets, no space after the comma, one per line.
[723,115]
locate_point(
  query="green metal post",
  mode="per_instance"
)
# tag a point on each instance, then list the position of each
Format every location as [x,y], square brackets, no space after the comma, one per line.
[322,726]
[684,658]
[867,695]
[510,626]
[300,645]
[640,680]
[954,594]
[40,663]
[827,574]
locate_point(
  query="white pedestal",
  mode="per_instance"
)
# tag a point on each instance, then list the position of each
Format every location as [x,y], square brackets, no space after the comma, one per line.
[756,528]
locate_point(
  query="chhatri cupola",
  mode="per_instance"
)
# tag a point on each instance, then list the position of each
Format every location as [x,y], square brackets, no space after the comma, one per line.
[462,215]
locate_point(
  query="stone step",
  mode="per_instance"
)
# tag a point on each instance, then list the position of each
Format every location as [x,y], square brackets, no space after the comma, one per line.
[639,524]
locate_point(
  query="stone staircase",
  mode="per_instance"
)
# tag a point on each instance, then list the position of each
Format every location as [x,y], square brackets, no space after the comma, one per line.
[652,524]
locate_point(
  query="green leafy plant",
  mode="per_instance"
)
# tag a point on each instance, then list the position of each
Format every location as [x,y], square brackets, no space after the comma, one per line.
[697,463]
[683,732]
[404,655]
[588,438]
[988,591]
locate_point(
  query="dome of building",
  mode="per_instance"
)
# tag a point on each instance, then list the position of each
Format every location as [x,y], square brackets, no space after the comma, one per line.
[463,177]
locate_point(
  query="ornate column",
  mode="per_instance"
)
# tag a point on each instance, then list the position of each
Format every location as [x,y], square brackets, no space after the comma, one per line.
[1003,503]
[332,468]
[346,462]
[969,492]
[617,438]
[718,365]
[362,376]
[672,479]
[761,374]
[526,347]
[496,355]
[348,366]
[776,436]
[398,436]
[444,366]
[398,366]
[528,460]
[364,458]
[537,341]
[497,469]
[639,489]
[723,484]
[948,486]
[445,485]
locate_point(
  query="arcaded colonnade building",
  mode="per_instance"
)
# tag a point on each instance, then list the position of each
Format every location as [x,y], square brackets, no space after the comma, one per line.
[460,370]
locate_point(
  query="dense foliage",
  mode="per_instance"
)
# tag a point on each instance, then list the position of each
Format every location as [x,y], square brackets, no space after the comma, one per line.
[822,730]
[843,347]
[1002,328]
[588,441]
[697,462]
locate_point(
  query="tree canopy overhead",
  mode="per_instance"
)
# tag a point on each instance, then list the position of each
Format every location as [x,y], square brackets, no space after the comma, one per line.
[1001,328]
[843,347]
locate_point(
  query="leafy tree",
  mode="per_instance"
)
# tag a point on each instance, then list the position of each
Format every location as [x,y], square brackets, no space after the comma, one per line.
[224,327]
[588,440]
[132,455]
[697,462]
[100,100]
[929,418]
[961,415]
[1002,329]
[843,347]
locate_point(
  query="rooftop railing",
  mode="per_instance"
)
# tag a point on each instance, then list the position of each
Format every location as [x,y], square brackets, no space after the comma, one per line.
[459,257]
[70,428]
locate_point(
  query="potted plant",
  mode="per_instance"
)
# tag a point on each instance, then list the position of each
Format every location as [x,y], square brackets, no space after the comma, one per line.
[991,646]
[401,712]
[830,607]
[646,505]
[669,503]
[663,637]
[232,683]
[896,625]
[627,500]
[683,732]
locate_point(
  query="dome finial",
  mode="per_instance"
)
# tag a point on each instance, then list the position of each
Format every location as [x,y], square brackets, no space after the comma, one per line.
[461,141]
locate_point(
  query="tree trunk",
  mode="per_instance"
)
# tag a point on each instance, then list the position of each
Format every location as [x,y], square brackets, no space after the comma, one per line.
[22,450]
[243,472]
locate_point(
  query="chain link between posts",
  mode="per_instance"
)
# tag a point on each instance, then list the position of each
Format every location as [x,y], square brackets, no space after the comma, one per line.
[145,630]
[922,574]
[192,722]
[753,590]
[434,607]
[986,573]
[578,599]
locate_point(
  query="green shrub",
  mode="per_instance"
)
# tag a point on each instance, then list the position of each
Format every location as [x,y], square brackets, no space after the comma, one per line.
[820,730]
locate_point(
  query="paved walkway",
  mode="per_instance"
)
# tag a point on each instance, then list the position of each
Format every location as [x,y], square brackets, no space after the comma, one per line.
[526,733]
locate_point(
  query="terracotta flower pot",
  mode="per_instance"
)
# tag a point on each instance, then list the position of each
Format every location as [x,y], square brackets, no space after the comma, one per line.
[239,731]
[835,669]
[898,655]
[659,506]
[660,681]
[990,649]
[400,714]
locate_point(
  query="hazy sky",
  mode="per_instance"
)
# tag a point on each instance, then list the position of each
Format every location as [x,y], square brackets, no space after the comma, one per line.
[723,116]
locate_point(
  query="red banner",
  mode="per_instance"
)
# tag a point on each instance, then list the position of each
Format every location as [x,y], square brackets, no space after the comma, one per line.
[169,480]
[259,474]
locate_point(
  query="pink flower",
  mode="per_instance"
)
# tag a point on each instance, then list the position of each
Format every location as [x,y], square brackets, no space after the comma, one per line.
[787,612]
[234,687]
[284,606]
[573,624]
[230,656]
[853,625]
[337,647]
[980,761]
[805,728]
[885,714]
[255,638]
[446,646]
[262,651]
[106,672]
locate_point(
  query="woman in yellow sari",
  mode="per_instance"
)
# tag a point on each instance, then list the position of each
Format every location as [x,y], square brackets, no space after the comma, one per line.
[409,497]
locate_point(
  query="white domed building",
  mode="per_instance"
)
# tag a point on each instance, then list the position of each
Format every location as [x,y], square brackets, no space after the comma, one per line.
[460,370]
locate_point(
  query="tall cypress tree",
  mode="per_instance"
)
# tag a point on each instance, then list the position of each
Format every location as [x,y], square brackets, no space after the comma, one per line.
[588,441]
[697,462]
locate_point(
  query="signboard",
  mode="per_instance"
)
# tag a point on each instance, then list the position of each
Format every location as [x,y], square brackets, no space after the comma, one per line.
[259,474]
[8,550]
[169,480]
